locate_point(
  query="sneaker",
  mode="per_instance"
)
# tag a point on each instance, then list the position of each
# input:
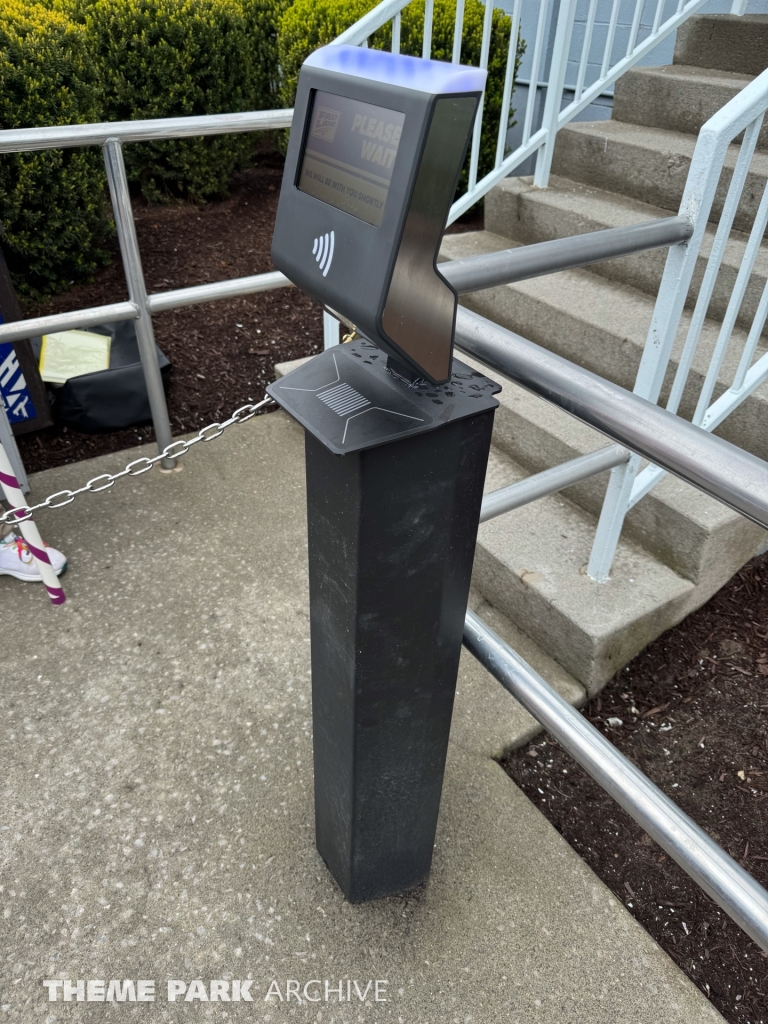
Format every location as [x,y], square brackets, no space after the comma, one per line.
[16,560]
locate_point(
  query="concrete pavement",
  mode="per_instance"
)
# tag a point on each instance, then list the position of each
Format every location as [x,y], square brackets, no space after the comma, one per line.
[157,820]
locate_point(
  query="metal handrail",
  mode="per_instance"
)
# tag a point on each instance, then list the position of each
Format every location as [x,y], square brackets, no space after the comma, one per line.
[160,301]
[157,302]
[469,274]
[709,463]
[729,885]
[495,503]
[474,273]
[110,136]
[526,261]
[66,136]
[466,275]
[76,318]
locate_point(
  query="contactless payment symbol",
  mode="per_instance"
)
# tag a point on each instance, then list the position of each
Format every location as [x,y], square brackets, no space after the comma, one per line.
[322,250]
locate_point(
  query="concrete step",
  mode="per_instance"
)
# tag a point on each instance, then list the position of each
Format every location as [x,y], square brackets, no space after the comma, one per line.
[724,42]
[486,719]
[517,210]
[650,165]
[603,326]
[696,536]
[530,564]
[677,97]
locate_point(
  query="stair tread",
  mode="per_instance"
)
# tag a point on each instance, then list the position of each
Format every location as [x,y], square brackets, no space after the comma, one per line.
[599,209]
[552,537]
[658,140]
[677,97]
[651,164]
[690,72]
[726,41]
[603,304]
[610,208]
[530,563]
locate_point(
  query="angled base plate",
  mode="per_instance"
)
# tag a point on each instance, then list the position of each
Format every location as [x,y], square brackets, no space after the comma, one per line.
[349,399]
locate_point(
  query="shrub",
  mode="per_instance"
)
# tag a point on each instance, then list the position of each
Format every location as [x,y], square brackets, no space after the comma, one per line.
[52,202]
[309,24]
[176,58]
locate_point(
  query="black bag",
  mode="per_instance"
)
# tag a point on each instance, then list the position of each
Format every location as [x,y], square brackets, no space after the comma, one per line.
[110,399]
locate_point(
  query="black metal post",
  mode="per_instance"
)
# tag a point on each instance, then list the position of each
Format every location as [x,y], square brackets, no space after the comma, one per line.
[392,536]
[395,471]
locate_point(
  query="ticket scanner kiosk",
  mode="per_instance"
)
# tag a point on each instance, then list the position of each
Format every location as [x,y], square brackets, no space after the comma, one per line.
[397,438]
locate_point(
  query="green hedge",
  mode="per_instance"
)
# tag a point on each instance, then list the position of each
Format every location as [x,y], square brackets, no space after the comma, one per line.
[308,24]
[52,204]
[75,61]
[177,58]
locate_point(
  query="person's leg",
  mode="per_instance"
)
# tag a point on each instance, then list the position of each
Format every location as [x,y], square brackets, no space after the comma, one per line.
[16,559]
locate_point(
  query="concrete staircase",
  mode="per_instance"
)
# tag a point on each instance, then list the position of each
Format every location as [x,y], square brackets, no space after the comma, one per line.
[678,546]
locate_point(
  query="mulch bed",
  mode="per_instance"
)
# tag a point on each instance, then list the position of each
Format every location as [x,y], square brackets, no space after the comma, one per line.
[222,353]
[692,712]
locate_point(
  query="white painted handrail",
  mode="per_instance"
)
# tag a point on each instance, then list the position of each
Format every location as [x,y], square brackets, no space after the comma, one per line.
[598,61]
[743,114]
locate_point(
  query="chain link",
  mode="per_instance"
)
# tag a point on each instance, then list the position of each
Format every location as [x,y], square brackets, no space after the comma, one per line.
[143,465]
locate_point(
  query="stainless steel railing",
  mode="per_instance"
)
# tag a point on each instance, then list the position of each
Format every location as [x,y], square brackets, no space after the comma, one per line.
[526,261]
[716,467]
[711,464]
[140,305]
[729,885]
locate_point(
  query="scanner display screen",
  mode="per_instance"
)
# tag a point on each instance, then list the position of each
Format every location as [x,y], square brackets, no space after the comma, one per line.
[349,155]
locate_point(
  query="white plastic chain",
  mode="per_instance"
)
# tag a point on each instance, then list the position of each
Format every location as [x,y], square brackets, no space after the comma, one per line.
[102,483]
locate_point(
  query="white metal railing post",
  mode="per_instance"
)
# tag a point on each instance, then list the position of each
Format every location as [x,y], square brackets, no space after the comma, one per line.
[627,486]
[589,29]
[458,32]
[137,293]
[616,504]
[477,135]
[509,77]
[330,330]
[676,281]
[558,67]
[426,43]
[396,27]
[739,7]
[535,72]
[610,38]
